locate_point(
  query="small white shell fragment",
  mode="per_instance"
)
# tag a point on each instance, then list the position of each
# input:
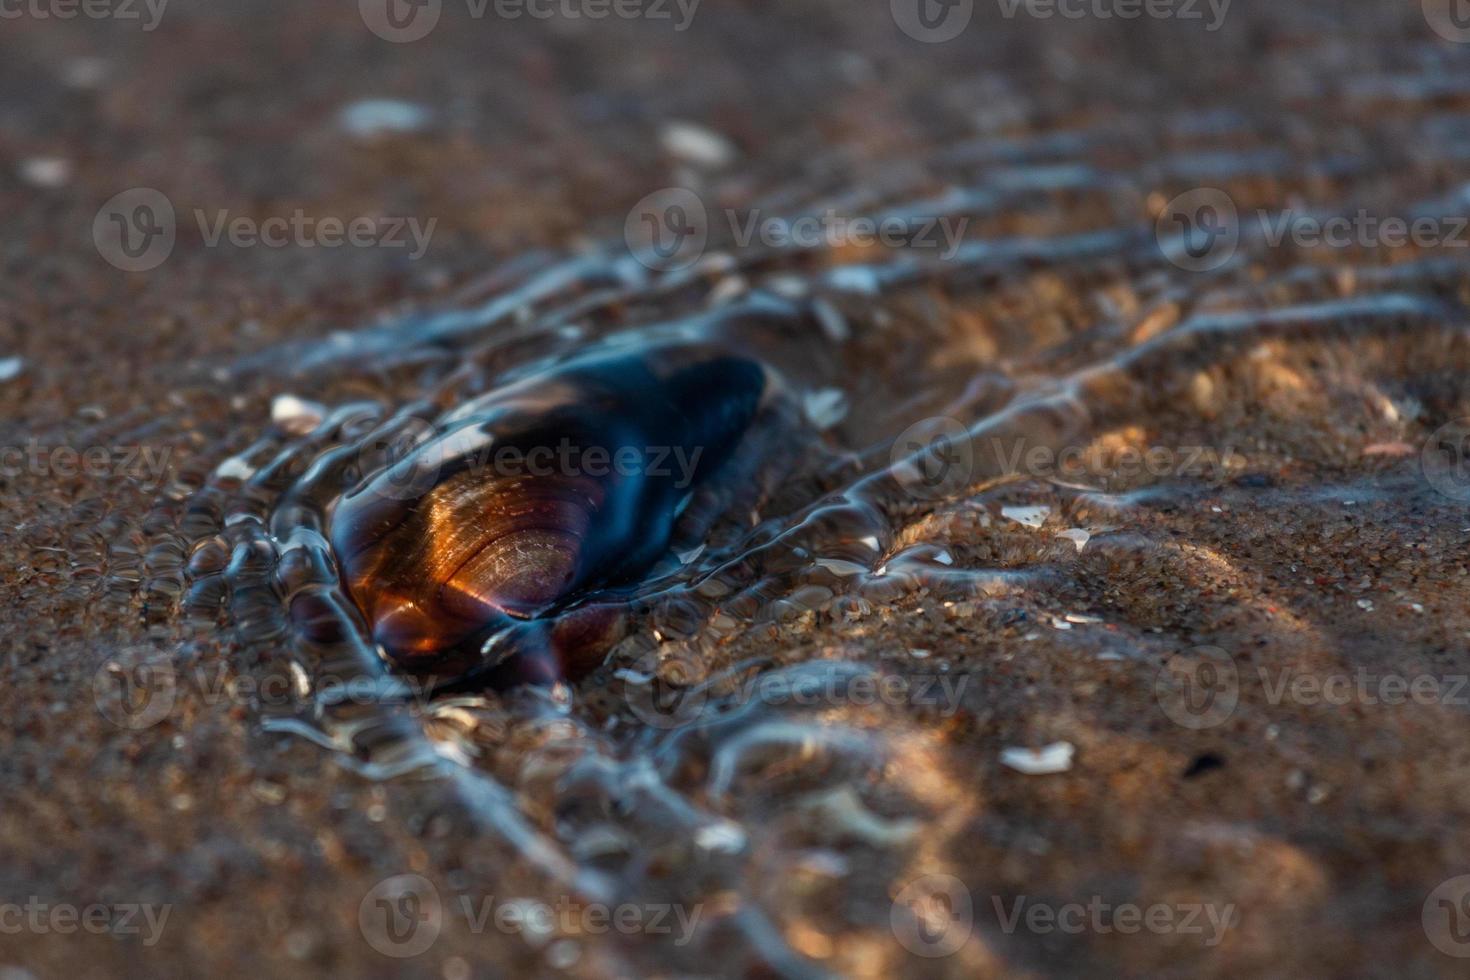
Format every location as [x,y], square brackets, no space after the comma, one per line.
[854,279]
[299,680]
[697,145]
[375,117]
[48,172]
[1084,619]
[724,836]
[1047,761]
[839,567]
[843,814]
[10,368]
[83,73]
[832,322]
[1029,516]
[294,412]
[789,287]
[1077,536]
[234,468]
[825,408]
[455,752]
[637,678]
[728,290]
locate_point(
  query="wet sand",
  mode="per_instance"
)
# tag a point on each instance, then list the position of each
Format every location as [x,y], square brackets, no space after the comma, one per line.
[1320,823]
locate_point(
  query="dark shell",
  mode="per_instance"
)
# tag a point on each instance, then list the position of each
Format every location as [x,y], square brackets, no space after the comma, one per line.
[505,516]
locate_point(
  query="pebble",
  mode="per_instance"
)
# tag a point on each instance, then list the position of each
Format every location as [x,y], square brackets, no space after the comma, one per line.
[825,408]
[296,414]
[1029,516]
[724,837]
[729,289]
[697,145]
[832,322]
[300,944]
[268,792]
[1048,761]
[840,567]
[47,172]
[1077,536]
[234,468]
[378,117]
[855,279]
[563,954]
[84,73]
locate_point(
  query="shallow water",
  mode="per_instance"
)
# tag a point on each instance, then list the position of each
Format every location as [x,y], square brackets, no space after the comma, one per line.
[980,439]
[687,770]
